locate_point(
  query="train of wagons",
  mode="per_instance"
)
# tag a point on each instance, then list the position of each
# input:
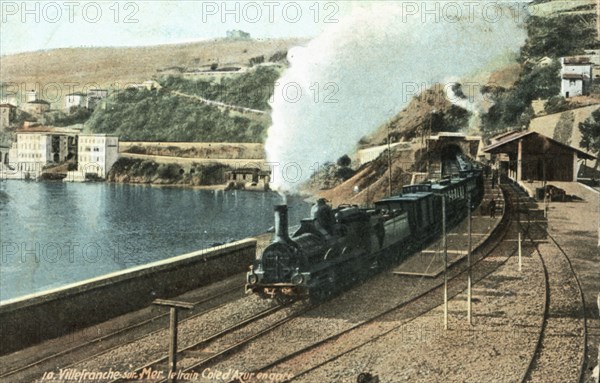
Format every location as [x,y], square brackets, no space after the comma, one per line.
[337,247]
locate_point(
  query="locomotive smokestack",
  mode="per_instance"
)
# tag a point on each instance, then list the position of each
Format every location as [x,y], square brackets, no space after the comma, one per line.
[281,223]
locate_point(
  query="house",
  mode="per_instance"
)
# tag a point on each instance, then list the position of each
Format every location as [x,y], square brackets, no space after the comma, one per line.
[40,146]
[96,154]
[36,108]
[248,179]
[237,34]
[75,100]
[8,114]
[94,96]
[576,76]
[31,95]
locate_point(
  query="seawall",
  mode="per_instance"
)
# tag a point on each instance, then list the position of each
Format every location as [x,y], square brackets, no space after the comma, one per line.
[31,319]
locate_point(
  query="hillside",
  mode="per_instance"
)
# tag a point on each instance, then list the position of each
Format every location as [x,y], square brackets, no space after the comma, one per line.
[116,67]
[430,110]
[560,31]
[173,113]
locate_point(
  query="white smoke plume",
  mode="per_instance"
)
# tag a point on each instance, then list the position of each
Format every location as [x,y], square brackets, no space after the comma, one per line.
[473,101]
[363,70]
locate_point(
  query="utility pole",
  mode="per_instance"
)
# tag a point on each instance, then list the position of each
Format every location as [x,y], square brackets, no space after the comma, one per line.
[389,159]
[445,246]
[174,306]
[469,292]
[519,229]
[598,26]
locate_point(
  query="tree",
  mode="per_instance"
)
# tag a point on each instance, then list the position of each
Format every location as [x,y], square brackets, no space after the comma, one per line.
[590,132]
[344,161]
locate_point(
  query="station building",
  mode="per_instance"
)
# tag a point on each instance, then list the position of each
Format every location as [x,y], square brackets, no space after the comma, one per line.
[530,156]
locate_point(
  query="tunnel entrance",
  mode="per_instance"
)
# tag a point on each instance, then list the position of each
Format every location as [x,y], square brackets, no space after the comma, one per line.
[450,165]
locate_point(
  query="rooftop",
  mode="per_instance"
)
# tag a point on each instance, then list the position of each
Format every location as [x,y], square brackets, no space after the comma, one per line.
[47,129]
[577,60]
[39,102]
[572,76]
[494,148]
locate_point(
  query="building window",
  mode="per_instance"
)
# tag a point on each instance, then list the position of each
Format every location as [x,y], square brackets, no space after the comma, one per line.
[572,83]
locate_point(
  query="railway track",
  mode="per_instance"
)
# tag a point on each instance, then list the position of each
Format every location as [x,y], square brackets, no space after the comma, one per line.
[217,346]
[557,358]
[99,345]
[327,350]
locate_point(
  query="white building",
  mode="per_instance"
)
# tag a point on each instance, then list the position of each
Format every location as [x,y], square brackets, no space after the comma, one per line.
[94,96]
[37,147]
[75,100]
[576,76]
[96,154]
[30,153]
[31,95]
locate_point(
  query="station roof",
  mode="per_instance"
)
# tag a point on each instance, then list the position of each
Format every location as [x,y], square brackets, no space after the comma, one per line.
[508,144]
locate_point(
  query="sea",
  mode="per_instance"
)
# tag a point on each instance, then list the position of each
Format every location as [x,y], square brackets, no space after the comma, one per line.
[54,233]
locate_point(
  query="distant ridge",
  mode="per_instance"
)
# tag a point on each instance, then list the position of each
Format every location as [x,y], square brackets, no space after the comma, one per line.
[118,66]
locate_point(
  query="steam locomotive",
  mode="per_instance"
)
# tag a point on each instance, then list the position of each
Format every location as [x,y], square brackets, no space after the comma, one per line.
[337,247]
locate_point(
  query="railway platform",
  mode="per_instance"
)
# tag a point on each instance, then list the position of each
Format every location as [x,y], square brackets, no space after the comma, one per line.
[429,262]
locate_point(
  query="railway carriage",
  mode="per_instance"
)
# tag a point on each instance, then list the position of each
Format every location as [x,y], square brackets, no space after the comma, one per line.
[336,247]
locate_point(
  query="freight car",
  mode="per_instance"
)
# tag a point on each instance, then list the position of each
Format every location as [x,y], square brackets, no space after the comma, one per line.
[336,247]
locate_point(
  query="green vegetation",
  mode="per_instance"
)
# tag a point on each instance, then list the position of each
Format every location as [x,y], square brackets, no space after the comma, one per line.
[250,90]
[136,170]
[77,116]
[512,106]
[564,128]
[563,35]
[143,115]
[556,104]
[590,132]
[554,37]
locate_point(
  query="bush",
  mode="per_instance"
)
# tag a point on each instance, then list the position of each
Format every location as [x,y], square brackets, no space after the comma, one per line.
[556,104]
[169,171]
[590,132]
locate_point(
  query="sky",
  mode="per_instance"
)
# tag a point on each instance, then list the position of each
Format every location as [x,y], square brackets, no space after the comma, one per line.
[37,25]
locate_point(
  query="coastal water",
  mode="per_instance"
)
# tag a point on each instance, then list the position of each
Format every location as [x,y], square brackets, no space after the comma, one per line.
[54,233]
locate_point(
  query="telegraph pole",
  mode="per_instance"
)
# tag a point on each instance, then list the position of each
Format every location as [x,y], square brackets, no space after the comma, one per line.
[174,306]
[469,293]
[598,26]
[445,246]
[519,228]
[389,160]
